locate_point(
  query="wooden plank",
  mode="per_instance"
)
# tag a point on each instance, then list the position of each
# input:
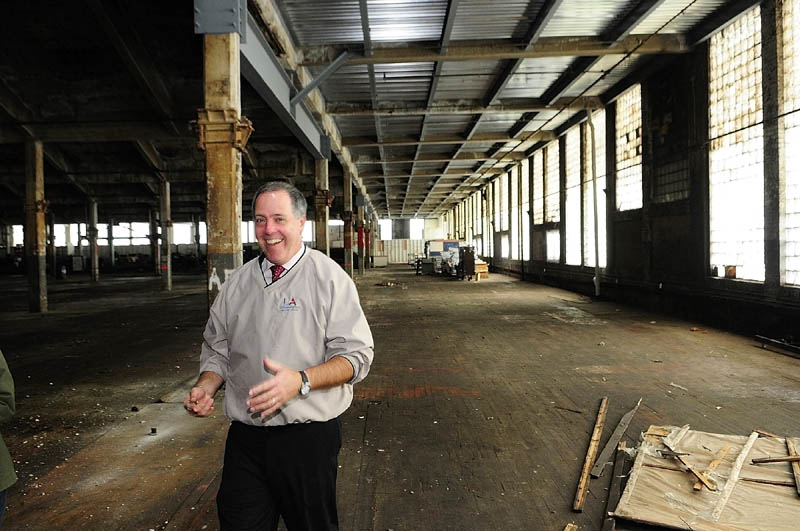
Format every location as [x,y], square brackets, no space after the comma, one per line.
[672,441]
[733,476]
[786,459]
[795,465]
[583,484]
[615,489]
[571,527]
[613,441]
[713,465]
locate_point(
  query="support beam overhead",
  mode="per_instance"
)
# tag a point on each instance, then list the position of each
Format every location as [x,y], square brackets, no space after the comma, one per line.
[545,47]
[401,108]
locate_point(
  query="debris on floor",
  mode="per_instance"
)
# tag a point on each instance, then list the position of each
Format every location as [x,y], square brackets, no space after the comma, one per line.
[391,284]
[685,479]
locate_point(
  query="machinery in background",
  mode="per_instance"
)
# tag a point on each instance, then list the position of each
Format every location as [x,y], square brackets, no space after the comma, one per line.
[452,258]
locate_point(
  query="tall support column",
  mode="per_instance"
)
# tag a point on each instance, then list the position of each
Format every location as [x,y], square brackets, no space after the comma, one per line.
[112,254]
[35,207]
[361,235]
[94,254]
[166,238]
[321,209]
[68,240]
[368,242]
[196,235]
[348,222]
[373,241]
[6,240]
[155,249]
[51,244]
[222,134]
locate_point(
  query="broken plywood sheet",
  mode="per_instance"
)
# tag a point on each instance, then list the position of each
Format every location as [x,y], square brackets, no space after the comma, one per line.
[659,490]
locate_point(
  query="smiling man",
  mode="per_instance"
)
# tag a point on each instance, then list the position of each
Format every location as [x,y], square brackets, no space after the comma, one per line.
[288,338]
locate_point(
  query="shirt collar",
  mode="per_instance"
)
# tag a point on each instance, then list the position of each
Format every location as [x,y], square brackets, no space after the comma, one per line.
[266,264]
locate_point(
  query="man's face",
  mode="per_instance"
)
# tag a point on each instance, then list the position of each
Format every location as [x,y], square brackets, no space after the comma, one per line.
[278,230]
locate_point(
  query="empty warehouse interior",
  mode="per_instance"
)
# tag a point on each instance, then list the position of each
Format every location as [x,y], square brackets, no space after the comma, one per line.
[571,224]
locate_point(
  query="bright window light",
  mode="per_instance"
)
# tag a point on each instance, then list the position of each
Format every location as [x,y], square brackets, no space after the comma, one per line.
[18,235]
[308,231]
[629,149]
[514,184]
[790,216]
[525,193]
[385,226]
[553,242]
[736,155]
[182,233]
[599,121]
[552,184]
[538,187]
[572,216]
[417,229]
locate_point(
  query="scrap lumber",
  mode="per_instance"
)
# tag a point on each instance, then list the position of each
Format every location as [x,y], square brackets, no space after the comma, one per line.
[713,465]
[786,459]
[795,465]
[613,441]
[583,484]
[764,433]
[615,489]
[571,527]
[671,442]
[733,476]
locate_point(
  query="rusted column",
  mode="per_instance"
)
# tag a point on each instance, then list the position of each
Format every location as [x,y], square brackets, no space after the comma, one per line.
[348,222]
[223,132]
[321,196]
[155,249]
[166,238]
[361,234]
[94,254]
[35,207]
[368,229]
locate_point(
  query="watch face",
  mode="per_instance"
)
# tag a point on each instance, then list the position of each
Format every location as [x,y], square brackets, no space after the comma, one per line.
[305,388]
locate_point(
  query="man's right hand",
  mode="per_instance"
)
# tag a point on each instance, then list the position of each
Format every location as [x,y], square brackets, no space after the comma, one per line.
[198,402]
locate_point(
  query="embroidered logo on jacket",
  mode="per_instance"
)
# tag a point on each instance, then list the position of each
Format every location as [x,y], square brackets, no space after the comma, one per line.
[289,305]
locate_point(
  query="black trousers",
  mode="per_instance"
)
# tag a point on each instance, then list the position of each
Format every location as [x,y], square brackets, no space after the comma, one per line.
[287,471]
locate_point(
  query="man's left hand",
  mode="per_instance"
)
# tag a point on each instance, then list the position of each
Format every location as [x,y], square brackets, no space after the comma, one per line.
[270,395]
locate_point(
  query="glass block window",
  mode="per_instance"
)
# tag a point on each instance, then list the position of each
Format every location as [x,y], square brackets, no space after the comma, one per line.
[736,154]
[524,191]
[514,184]
[552,203]
[671,179]
[790,216]
[537,163]
[504,201]
[553,242]
[572,216]
[629,149]
[599,120]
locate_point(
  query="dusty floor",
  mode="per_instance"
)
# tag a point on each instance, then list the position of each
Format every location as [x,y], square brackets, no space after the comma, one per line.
[477,413]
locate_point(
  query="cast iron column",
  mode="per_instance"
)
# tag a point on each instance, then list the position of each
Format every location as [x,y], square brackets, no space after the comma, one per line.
[321,206]
[348,222]
[223,132]
[35,207]
[166,238]
[94,255]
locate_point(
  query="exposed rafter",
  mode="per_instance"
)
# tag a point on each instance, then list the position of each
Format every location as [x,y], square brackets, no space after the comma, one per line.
[470,51]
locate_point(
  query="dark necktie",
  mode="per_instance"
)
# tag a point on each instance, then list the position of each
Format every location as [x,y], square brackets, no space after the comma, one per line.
[276,272]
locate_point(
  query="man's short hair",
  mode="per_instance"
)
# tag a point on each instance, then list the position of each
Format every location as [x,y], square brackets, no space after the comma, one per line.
[299,204]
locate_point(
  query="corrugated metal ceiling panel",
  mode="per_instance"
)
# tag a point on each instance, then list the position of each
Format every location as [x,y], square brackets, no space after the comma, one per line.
[685,12]
[577,18]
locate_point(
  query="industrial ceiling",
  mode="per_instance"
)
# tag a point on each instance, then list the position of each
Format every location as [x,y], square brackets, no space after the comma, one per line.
[433,99]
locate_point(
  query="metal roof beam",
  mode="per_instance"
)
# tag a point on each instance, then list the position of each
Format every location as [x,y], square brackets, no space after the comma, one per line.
[499,50]
[401,108]
[359,141]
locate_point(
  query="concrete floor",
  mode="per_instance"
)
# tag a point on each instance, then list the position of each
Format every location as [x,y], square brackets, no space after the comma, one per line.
[477,413]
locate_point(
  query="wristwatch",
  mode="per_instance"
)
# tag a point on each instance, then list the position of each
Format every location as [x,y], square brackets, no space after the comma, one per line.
[305,387]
